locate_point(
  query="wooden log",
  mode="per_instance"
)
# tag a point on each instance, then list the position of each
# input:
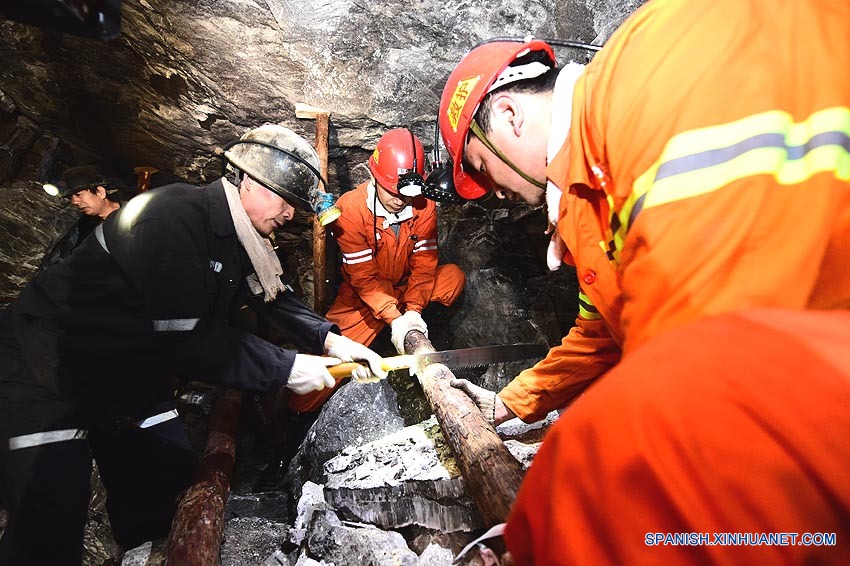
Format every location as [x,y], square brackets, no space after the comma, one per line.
[198,525]
[144,173]
[491,473]
[320,271]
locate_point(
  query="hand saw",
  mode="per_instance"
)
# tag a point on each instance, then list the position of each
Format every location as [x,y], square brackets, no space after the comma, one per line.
[464,357]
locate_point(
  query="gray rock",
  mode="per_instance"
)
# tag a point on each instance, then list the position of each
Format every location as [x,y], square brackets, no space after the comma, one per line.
[272,506]
[312,499]
[510,295]
[356,414]
[137,556]
[420,539]
[435,555]
[304,560]
[360,545]
[25,240]
[278,558]
[98,544]
[515,429]
[524,453]
[252,540]
[404,478]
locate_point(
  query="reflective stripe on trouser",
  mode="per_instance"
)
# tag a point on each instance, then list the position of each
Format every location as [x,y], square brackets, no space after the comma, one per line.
[157,419]
[51,436]
[48,437]
[704,160]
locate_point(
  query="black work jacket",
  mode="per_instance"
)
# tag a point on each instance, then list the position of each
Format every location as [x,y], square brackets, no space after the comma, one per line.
[146,297]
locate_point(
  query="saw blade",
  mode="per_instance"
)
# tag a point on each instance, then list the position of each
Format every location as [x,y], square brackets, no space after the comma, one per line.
[462,358]
[481,356]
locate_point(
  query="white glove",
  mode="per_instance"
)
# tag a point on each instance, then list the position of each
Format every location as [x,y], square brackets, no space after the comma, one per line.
[310,373]
[410,320]
[484,399]
[348,350]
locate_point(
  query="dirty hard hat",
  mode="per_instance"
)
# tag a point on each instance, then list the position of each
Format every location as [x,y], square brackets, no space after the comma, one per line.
[280,159]
[395,154]
[482,70]
[76,179]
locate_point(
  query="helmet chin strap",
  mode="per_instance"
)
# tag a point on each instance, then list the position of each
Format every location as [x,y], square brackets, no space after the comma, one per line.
[479,133]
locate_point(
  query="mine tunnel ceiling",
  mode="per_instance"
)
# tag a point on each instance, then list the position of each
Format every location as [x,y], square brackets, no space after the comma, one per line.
[179,79]
[184,77]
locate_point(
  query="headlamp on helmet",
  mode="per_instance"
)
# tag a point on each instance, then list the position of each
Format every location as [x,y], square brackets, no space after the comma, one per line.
[398,162]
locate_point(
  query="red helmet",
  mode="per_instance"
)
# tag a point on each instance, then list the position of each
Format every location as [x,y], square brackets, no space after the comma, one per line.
[393,156]
[466,87]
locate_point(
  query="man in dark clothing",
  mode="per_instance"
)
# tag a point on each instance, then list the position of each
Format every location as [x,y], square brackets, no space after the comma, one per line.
[152,287]
[95,196]
[92,193]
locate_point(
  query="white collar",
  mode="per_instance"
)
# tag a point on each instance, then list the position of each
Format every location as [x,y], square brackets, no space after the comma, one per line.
[390,218]
[562,107]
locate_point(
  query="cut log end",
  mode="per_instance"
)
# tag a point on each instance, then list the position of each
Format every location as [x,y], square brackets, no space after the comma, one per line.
[307,111]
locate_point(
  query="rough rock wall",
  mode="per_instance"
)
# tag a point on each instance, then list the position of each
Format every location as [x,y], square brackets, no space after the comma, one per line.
[186,76]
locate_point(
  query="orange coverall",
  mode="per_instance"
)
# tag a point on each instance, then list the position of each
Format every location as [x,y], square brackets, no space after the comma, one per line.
[690,435]
[707,170]
[378,286]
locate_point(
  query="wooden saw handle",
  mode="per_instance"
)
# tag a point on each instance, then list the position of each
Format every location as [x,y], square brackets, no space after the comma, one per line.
[388,364]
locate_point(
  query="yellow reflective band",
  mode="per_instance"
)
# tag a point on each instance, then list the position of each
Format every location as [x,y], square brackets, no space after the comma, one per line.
[702,161]
[586,310]
[610,250]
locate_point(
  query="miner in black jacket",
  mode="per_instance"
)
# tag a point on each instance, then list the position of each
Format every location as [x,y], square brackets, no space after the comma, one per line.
[92,343]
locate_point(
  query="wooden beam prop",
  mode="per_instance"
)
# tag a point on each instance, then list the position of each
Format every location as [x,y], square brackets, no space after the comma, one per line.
[144,174]
[491,473]
[195,537]
[320,271]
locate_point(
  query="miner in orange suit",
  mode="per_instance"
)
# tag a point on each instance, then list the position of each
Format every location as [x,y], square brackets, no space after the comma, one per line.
[723,441]
[698,167]
[692,168]
[387,234]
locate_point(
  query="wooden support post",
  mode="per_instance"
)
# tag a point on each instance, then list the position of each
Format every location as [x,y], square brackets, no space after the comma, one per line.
[320,274]
[491,473]
[144,181]
[195,537]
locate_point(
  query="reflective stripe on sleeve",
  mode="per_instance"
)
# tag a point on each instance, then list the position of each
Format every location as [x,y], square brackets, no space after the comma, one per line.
[361,253]
[175,324]
[156,419]
[705,160]
[586,310]
[425,245]
[357,257]
[49,437]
